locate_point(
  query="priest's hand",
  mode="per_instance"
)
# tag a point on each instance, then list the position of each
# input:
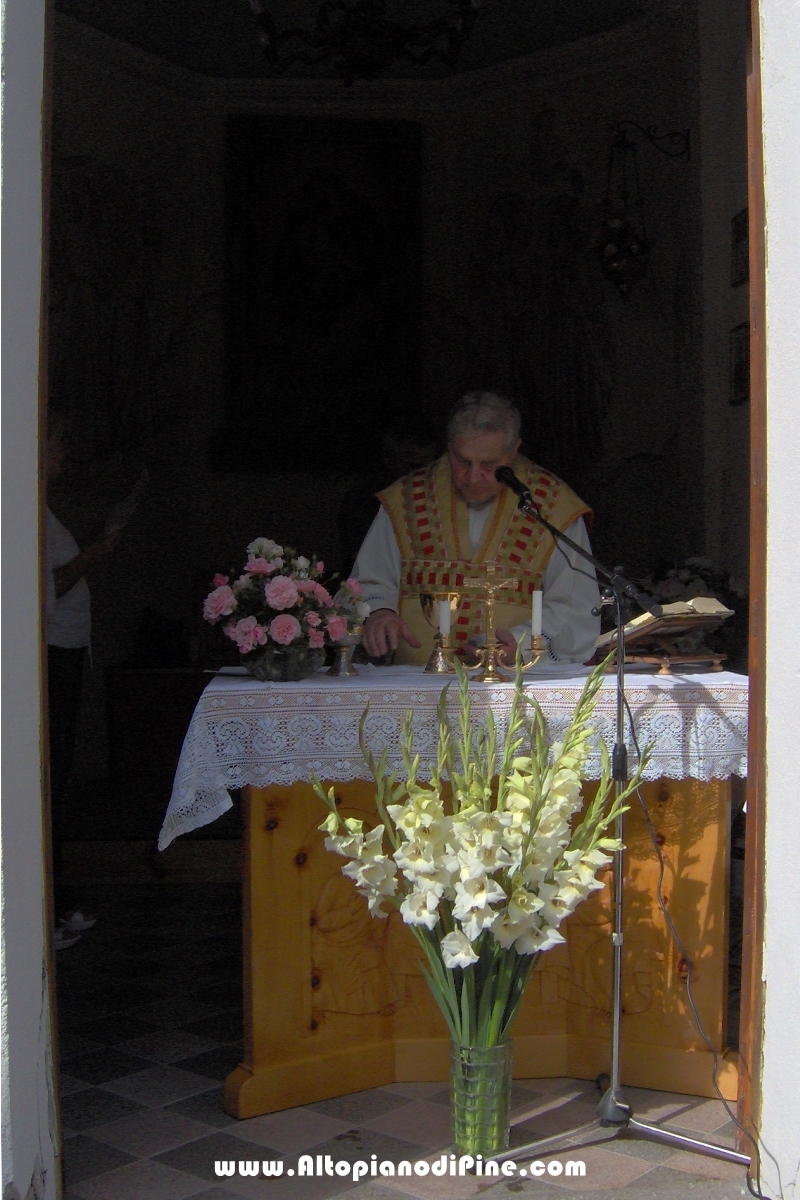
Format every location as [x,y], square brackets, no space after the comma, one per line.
[508,655]
[383,630]
[509,643]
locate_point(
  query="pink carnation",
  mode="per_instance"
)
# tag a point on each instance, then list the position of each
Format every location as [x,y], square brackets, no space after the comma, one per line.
[219,580]
[319,565]
[313,618]
[281,592]
[306,587]
[316,638]
[337,628]
[284,629]
[259,566]
[323,595]
[353,587]
[219,603]
[230,630]
[247,634]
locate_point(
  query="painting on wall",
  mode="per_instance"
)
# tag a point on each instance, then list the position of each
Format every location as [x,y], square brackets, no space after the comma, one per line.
[323,291]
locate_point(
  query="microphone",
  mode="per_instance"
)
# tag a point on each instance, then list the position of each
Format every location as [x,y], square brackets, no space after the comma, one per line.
[507,477]
[616,579]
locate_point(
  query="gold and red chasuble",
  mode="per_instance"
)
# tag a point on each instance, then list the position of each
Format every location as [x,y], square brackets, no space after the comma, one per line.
[431,524]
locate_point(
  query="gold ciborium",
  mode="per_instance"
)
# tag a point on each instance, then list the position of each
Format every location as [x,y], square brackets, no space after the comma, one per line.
[489,657]
[441,660]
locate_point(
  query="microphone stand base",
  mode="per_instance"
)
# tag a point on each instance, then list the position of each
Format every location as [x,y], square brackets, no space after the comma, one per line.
[600,1131]
[613,1109]
[614,1120]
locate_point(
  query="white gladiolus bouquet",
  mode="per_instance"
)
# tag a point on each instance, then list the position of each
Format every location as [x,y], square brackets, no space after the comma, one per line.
[484,870]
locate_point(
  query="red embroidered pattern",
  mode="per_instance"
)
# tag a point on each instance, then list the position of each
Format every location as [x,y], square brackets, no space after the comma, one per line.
[518,550]
[421,515]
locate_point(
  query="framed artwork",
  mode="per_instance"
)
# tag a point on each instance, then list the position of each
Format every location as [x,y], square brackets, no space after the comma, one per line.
[740,249]
[323,291]
[740,363]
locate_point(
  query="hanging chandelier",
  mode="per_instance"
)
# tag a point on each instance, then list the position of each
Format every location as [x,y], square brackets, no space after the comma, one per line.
[622,246]
[361,40]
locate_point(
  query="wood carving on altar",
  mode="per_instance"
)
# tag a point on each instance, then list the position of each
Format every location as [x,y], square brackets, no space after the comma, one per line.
[336,1002]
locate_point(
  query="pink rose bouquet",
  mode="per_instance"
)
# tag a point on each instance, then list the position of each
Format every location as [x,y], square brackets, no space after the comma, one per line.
[278,609]
[349,604]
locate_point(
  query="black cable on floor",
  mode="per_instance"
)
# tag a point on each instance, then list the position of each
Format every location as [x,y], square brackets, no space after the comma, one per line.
[689,967]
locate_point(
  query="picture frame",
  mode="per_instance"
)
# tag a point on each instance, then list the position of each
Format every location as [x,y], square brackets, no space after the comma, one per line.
[323,290]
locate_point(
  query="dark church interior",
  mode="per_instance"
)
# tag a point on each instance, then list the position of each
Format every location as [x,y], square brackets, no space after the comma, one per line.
[274,264]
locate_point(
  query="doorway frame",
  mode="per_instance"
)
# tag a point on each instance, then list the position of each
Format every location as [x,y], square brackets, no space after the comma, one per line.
[751,1011]
[751,1015]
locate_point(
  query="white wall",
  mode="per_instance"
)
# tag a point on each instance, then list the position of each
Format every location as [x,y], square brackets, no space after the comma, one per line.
[780,34]
[27,1121]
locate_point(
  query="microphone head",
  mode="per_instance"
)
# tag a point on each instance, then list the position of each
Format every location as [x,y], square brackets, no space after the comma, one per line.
[506,475]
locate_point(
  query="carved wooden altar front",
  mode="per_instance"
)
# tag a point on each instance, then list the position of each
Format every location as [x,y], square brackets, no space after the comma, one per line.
[335,1001]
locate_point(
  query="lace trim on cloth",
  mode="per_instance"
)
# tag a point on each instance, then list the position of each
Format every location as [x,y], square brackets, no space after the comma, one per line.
[249,733]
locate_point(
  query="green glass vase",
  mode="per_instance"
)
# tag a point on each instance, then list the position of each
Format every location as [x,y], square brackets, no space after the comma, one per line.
[284,664]
[480,1079]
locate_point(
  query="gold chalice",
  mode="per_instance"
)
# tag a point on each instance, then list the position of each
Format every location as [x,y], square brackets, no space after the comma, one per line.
[441,660]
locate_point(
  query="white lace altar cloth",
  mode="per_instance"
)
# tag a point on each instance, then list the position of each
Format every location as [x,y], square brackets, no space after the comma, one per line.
[246,732]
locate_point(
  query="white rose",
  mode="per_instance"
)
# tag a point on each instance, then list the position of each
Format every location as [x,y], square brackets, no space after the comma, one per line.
[264,548]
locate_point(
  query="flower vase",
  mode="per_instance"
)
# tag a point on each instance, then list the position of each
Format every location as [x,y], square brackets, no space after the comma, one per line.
[284,664]
[480,1080]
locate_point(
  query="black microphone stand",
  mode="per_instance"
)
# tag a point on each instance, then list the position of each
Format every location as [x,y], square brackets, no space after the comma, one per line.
[613,1112]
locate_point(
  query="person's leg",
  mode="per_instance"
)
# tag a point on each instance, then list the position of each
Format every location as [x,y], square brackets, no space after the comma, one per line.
[64,684]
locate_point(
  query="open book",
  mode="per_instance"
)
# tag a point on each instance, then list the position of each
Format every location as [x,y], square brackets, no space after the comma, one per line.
[676,621]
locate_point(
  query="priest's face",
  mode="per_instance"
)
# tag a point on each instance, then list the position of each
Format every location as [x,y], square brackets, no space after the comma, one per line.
[474,458]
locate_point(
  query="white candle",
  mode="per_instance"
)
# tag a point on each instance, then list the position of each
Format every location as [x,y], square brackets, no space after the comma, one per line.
[536,614]
[444,616]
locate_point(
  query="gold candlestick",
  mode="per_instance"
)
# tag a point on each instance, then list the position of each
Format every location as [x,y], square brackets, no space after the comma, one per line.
[538,648]
[441,660]
[489,656]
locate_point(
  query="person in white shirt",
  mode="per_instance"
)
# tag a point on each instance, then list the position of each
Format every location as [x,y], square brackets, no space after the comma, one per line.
[69,627]
[454,516]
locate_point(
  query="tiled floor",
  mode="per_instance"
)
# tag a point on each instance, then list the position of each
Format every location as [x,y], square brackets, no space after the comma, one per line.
[150,1016]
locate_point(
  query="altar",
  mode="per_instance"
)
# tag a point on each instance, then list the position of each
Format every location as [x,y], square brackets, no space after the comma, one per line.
[335,1001]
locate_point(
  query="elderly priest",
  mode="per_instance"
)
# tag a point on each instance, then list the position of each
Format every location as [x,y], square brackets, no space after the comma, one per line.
[455,517]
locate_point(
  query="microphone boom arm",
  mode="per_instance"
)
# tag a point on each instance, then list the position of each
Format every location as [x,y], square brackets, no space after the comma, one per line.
[615,580]
[619,582]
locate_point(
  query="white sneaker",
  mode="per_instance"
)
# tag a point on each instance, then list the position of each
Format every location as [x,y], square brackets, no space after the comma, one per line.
[64,938]
[76,922]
